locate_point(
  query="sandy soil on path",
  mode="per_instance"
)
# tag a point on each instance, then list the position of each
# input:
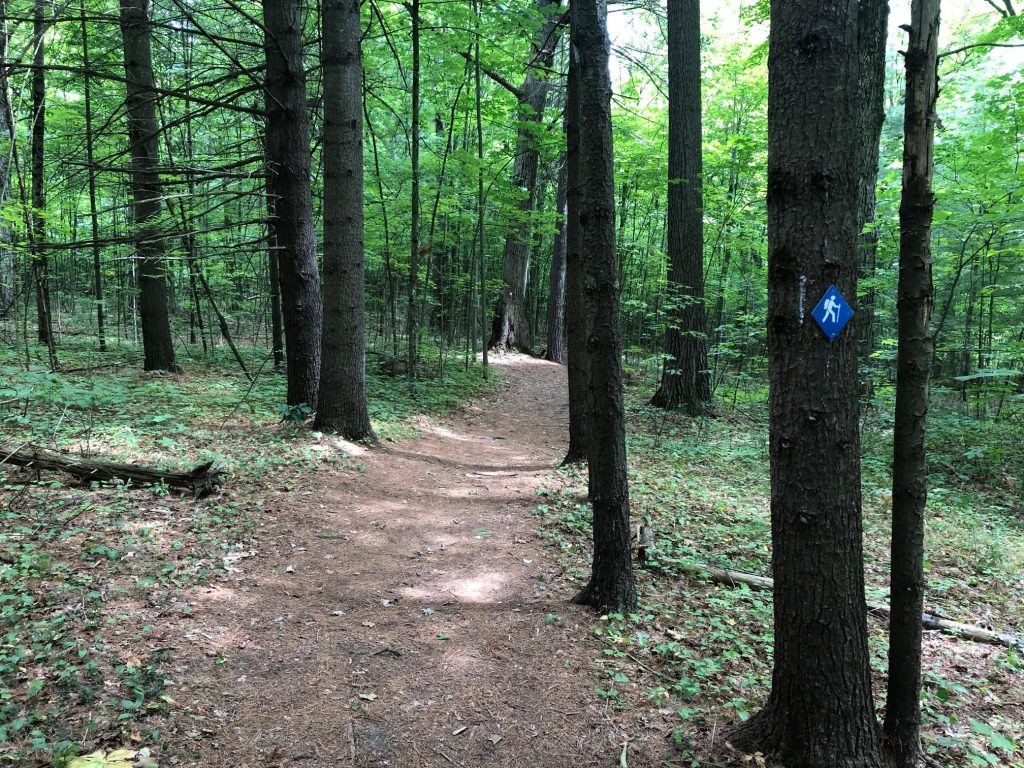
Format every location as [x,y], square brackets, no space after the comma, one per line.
[404,615]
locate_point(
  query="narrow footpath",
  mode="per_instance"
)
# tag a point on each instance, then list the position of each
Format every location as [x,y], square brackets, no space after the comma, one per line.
[405,614]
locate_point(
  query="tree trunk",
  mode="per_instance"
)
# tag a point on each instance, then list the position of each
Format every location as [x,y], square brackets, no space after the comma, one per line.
[481,253]
[94,221]
[575,306]
[820,712]
[685,378]
[40,261]
[411,320]
[196,311]
[611,586]
[292,222]
[147,191]
[913,369]
[510,327]
[342,404]
[872,32]
[7,294]
[556,292]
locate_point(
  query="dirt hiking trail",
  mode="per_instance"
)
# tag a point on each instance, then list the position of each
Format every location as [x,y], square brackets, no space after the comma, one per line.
[399,616]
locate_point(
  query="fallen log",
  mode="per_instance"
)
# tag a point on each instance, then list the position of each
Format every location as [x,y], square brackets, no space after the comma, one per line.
[201,480]
[928,620]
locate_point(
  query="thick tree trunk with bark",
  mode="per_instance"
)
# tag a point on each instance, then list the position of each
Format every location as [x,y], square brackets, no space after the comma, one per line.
[913,370]
[556,277]
[872,31]
[147,191]
[820,712]
[685,378]
[575,302]
[611,586]
[510,327]
[292,222]
[342,404]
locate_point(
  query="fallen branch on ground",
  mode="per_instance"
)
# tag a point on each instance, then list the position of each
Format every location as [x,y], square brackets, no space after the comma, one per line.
[201,480]
[928,620]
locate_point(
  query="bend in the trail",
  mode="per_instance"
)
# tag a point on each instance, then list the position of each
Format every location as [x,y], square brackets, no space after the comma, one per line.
[405,614]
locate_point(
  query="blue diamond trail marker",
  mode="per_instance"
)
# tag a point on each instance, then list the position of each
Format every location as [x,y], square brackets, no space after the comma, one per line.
[832,313]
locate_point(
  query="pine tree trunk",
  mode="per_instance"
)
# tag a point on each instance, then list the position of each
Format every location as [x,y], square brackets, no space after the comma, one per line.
[820,712]
[575,302]
[611,586]
[685,379]
[510,326]
[292,222]
[872,32]
[913,369]
[147,192]
[342,404]
[556,277]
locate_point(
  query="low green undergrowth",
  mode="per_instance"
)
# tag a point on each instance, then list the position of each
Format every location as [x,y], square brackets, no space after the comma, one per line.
[698,655]
[89,576]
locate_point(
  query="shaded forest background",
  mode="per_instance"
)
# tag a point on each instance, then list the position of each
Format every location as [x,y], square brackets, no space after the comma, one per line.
[209,63]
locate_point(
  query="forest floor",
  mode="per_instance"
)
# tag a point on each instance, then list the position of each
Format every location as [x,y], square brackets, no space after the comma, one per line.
[406,614]
[409,605]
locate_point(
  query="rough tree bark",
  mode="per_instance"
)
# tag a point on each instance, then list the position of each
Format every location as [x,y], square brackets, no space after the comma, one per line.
[872,32]
[292,221]
[913,369]
[556,277]
[510,326]
[685,378]
[342,404]
[611,586]
[575,301]
[147,192]
[819,713]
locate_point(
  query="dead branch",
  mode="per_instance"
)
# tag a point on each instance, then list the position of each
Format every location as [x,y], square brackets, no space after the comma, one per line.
[928,620]
[201,480]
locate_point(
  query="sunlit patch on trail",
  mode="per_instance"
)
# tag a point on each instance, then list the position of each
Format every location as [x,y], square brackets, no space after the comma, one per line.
[483,588]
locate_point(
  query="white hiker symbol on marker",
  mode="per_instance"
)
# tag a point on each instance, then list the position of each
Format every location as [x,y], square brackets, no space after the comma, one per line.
[832,313]
[831,309]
